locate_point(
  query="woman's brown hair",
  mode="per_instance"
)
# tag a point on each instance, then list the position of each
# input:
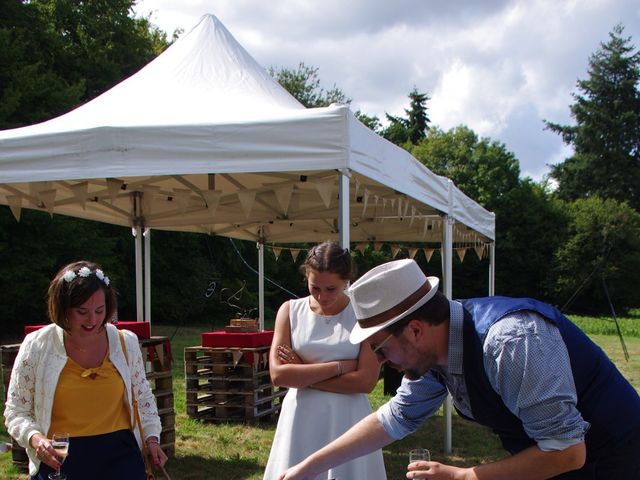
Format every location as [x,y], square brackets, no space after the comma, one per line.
[73,285]
[329,257]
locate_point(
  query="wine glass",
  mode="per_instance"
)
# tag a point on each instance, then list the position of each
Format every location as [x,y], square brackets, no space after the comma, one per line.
[419,454]
[60,443]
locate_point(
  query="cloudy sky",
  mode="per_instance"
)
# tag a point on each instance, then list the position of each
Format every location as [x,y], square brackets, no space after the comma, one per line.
[500,67]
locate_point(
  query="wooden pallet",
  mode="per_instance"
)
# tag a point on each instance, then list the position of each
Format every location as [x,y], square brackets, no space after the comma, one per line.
[230,384]
[156,353]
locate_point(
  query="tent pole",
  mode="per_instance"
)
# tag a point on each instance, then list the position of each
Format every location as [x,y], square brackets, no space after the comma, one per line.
[343,208]
[147,275]
[137,233]
[447,272]
[260,246]
[492,268]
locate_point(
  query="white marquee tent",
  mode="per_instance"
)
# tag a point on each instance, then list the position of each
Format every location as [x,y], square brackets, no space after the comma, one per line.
[202,139]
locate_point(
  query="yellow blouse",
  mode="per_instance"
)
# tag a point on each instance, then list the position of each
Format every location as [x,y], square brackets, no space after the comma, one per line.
[89,401]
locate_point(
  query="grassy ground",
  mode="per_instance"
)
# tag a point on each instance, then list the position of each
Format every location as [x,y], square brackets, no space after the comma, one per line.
[238,451]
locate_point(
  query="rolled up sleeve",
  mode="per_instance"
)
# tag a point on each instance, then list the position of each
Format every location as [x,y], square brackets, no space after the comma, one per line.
[414,402]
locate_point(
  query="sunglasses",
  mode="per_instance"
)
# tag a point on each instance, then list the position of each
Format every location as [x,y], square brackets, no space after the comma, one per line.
[377,348]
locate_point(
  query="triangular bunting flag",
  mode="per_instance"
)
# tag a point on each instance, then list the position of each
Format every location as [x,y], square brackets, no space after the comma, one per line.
[412,252]
[377,246]
[325,188]
[80,192]
[395,250]
[294,253]
[48,197]
[462,251]
[283,195]
[361,247]
[428,253]
[113,187]
[479,251]
[247,197]
[148,198]
[15,204]
[276,251]
[366,201]
[182,196]
[212,198]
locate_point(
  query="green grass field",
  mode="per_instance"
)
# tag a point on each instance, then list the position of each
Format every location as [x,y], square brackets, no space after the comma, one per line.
[239,451]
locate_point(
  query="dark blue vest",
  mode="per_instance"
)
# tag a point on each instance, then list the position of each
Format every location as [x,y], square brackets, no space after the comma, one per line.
[605,398]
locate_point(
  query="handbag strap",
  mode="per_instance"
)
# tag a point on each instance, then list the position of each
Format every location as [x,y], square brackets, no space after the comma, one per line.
[134,400]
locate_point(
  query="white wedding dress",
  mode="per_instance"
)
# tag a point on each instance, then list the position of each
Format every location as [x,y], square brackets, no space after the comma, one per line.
[309,418]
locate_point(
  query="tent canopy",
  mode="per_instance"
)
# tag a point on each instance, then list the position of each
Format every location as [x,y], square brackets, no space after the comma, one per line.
[202,139]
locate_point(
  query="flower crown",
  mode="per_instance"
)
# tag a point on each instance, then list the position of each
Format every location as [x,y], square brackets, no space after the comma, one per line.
[84,272]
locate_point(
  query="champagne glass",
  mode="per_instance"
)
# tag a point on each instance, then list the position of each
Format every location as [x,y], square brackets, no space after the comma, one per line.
[60,443]
[419,454]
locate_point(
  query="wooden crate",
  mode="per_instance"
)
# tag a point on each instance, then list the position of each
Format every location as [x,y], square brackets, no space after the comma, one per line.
[156,351]
[230,384]
[8,355]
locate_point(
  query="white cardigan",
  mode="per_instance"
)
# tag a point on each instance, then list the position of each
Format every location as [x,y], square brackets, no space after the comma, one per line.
[35,374]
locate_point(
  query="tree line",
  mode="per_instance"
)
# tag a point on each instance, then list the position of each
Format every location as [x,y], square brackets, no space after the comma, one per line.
[570,244]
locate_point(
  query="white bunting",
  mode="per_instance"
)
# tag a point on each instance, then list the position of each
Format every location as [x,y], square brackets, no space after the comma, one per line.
[395,250]
[294,253]
[212,198]
[412,252]
[365,201]
[247,197]
[182,196]
[283,195]
[48,197]
[149,193]
[114,186]
[325,189]
[479,251]
[276,251]
[461,253]
[428,253]
[377,246]
[80,192]
[15,204]
[361,247]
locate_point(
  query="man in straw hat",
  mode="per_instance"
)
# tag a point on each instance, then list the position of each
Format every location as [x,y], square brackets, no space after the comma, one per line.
[517,365]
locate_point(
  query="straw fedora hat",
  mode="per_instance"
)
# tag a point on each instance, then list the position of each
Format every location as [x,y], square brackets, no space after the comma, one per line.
[386,293]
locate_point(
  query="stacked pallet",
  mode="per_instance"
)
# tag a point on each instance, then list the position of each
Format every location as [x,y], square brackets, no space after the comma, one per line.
[230,384]
[156,351]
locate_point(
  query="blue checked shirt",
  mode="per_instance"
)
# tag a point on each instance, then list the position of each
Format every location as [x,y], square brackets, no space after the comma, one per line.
[527,364]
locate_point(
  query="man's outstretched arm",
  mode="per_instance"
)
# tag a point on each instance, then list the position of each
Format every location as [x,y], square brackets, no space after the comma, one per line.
[364,437]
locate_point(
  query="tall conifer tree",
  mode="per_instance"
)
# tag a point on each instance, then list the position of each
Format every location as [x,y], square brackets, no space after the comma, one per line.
[606,136]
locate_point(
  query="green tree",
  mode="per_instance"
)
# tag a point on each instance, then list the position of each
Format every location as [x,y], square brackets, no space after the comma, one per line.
[606,136]
[603,242]
[487,172]
[56,54]
[304,84]
[412,129]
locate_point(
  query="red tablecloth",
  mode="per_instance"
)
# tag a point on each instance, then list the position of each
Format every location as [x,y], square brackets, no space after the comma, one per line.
[141,329]
[235,339]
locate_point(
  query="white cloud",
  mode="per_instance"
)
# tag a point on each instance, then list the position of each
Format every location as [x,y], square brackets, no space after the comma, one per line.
[499,66]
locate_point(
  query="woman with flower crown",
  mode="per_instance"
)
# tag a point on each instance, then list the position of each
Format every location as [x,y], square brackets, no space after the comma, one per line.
[74,376]
[328,376]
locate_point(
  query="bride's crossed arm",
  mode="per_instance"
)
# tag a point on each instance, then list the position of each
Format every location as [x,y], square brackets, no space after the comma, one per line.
[341,376]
